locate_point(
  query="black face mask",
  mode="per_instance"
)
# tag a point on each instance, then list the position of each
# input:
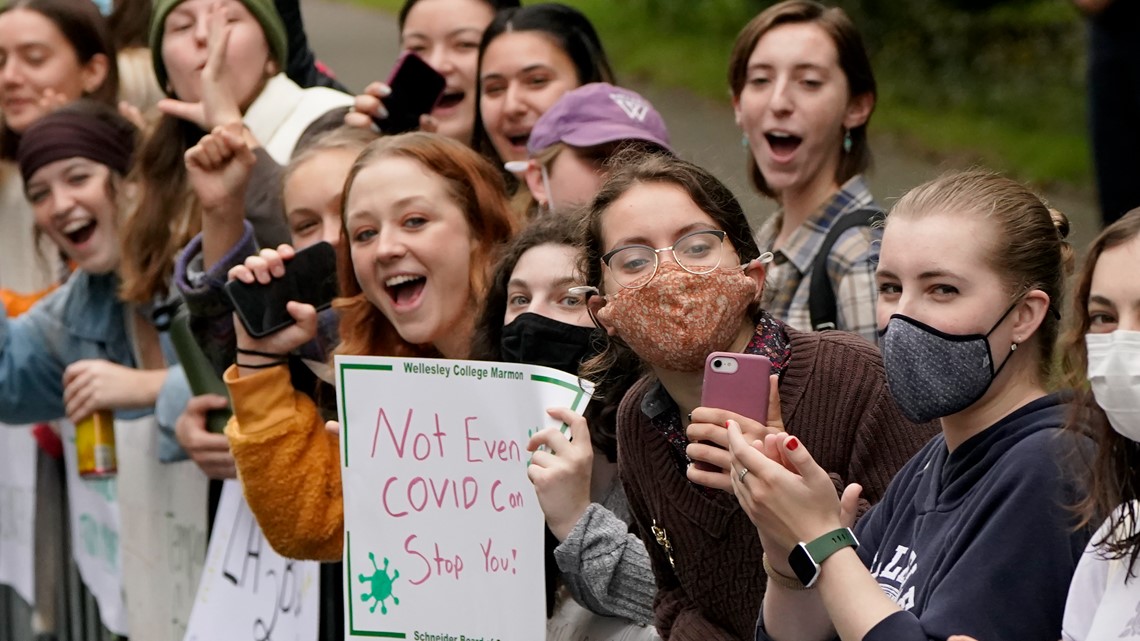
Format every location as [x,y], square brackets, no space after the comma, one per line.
[537,340]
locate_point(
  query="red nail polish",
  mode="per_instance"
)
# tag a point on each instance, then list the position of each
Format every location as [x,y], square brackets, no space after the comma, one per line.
[793,443]
[726,424]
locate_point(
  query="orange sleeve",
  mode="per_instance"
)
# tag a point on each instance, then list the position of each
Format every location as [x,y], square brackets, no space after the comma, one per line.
[288,463]
[17,303]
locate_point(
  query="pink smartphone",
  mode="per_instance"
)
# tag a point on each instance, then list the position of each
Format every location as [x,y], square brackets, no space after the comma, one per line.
[737,383]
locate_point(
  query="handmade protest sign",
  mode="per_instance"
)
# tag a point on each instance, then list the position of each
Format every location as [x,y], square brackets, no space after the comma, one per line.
[248,591]
[95,544]
[18,510]
[162,508]
[443,531]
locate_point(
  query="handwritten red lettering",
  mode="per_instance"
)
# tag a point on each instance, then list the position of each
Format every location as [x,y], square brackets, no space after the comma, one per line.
[494,503]
[496,449]
[438,565]
[423,493]
[469,499]
[384,499]
[421,442]
[467,436]
[418,481]
[514,500]
[427,564]
[495,564]
[502,450]
[380,416]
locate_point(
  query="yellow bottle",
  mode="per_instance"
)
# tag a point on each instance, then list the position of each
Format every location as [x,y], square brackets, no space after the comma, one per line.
[95,445]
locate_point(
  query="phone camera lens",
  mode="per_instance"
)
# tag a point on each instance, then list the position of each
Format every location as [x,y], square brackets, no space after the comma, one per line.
[717,363]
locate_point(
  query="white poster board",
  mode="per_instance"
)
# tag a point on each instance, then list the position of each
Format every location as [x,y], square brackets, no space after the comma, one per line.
[248,591]
[95,541]
[18,510]
[443,531]
[163,526]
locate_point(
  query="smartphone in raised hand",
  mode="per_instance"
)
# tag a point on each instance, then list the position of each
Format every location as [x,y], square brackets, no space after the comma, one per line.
[310,277]
[416,88]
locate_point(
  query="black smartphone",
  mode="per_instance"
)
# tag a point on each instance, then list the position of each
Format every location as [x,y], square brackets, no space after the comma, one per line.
[309,278]
[416,88]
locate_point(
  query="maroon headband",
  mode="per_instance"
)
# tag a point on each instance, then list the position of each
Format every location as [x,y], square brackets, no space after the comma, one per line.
[70,134]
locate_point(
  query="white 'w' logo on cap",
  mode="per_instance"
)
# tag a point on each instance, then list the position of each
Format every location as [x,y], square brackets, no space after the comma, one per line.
[633,107]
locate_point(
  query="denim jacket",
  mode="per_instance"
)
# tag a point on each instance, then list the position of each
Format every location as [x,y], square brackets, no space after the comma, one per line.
[83,319]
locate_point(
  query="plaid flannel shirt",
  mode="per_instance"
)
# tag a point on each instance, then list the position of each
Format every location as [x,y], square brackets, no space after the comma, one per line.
[851,264]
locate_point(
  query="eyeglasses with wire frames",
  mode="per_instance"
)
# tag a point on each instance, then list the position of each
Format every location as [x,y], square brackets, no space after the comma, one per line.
[699,252]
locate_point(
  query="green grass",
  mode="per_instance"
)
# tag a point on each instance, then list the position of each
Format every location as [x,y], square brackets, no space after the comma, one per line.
[645,44]
[1001,143]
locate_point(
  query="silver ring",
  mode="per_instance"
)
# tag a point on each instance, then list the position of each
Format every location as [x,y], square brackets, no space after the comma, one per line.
[742,473]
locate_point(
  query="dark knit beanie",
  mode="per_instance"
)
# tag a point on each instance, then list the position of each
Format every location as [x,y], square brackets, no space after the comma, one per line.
[107,139]
[263,10]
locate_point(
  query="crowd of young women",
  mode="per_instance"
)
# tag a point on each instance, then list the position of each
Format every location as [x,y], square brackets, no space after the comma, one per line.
[930,464]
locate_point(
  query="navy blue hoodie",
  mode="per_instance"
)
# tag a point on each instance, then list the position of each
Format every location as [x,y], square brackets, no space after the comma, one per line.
[980,541]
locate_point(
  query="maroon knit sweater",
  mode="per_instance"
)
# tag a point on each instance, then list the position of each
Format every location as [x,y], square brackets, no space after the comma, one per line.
[834,398]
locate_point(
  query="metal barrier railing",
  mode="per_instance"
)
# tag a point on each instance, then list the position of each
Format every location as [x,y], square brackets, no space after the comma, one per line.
[71,611]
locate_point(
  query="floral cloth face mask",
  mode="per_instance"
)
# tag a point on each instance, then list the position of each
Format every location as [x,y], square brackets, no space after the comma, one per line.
[677,319]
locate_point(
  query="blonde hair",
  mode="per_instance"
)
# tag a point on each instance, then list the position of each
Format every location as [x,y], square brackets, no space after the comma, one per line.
[1029,250]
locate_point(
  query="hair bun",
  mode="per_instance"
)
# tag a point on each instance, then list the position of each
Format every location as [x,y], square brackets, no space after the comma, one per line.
[1061,222]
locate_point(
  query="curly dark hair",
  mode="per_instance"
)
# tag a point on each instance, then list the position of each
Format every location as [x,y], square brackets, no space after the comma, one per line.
[551,230]
[629,169]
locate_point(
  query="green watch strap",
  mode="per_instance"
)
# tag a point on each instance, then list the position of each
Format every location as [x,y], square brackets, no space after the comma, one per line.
[830,543]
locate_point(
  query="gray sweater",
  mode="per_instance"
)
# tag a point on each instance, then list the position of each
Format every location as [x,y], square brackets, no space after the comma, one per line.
[604,566]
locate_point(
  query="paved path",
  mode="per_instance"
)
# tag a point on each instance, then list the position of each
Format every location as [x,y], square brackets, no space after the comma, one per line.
[361,44]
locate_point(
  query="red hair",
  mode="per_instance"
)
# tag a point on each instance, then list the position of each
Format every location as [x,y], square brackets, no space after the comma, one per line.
[477,188]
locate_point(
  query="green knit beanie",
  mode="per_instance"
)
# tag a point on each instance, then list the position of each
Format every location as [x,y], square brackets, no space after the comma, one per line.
[263,10]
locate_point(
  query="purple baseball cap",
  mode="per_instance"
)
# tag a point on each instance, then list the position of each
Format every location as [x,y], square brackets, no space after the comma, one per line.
[596,114]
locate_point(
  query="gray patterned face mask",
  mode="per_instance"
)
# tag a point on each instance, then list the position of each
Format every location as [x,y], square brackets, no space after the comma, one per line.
[932,374]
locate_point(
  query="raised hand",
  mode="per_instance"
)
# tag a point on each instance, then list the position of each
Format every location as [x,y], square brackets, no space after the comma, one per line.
[263,268]
[368,105]
[217,105]
[219,167]
[561,471]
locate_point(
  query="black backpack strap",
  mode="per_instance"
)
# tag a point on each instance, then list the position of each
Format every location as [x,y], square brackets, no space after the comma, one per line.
[821,295]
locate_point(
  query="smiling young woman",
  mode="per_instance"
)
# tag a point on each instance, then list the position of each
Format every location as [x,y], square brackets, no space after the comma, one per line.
[80,349]
[423,218]
[528,59]
[52,52]
[803,93]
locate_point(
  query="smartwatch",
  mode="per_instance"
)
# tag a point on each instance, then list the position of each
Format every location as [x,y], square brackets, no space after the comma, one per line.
[806,557]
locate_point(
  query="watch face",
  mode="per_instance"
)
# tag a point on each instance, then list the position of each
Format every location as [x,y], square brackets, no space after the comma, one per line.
[806,569]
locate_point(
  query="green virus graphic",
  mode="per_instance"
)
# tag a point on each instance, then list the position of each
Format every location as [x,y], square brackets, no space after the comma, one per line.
[381,585]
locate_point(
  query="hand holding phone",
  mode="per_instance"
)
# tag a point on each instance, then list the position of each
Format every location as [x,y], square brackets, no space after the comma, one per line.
[310,277]
[736,383]
[415,90]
